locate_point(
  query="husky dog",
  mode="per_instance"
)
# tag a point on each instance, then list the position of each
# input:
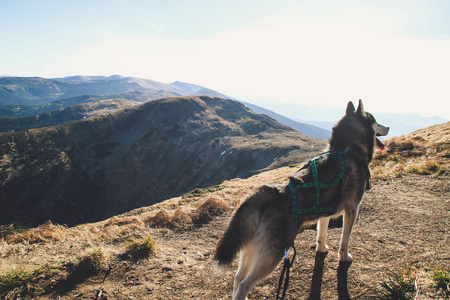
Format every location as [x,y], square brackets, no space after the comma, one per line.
[263,225]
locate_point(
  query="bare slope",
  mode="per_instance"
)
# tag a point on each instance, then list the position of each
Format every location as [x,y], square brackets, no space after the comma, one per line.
[403,225]
[101,166]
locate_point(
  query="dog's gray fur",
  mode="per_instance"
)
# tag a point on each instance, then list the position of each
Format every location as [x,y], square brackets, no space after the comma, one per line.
[262,225]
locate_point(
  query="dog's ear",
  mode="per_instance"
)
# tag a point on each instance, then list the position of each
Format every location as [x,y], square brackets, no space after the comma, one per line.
[350,108]
[360,109]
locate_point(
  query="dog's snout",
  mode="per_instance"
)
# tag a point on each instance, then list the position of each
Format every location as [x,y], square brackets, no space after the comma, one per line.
[382,130]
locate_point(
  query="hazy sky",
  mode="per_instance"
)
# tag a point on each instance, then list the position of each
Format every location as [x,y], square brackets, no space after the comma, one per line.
[395,55]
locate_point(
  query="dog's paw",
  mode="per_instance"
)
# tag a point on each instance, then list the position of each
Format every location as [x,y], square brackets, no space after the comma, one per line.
[322,248]
[345,256]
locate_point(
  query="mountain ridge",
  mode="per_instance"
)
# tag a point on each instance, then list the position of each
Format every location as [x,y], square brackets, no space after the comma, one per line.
[18,93]
[34,90]
[83,171]
[64,115]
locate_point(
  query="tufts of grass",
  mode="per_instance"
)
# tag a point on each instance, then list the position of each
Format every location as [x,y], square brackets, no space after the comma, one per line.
[45,232]
[90,264]
[14,279]
[201,191]
[12,229]
[163,219]
[399,286]
[180,219]
[17,281]
[411,154]
[441,280]
[47,270]
[184,219]
[210,208]
[425,167]
[115,221]
[139,249]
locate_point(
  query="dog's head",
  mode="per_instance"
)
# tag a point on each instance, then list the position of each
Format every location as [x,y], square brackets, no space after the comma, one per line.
[358,128]
[368,119]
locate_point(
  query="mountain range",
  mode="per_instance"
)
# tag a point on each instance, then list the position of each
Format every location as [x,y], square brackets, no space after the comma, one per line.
[18,93]
[35,90]
[26,96]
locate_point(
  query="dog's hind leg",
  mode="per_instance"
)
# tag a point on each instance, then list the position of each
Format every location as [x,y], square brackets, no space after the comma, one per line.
[322,232]
[350,215]
[245,261]
[261,267]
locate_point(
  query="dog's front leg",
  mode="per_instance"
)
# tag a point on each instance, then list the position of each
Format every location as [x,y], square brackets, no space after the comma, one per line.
[350,215]
[322,231]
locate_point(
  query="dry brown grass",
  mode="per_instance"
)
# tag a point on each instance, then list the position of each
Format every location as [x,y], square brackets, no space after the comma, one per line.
[113,230]
[139,249]
[208,209]
[44,233]
[115,221]
[423,152]
[185,218]
[163,218]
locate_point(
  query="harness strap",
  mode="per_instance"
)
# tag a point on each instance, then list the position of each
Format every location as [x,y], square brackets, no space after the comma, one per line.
[318,185]
[316,180]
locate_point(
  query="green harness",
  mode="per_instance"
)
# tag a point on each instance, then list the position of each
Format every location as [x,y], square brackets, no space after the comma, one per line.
[318,185]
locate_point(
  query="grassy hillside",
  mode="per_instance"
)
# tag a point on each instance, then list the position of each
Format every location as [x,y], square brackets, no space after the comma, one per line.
[424,152]
[164,251]
[104,165]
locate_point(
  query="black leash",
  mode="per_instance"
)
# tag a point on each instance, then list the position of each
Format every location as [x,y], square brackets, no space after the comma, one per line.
[286,270]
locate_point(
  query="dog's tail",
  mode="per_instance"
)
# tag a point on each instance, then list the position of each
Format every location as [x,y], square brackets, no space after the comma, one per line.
[241,229]
[236,236]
